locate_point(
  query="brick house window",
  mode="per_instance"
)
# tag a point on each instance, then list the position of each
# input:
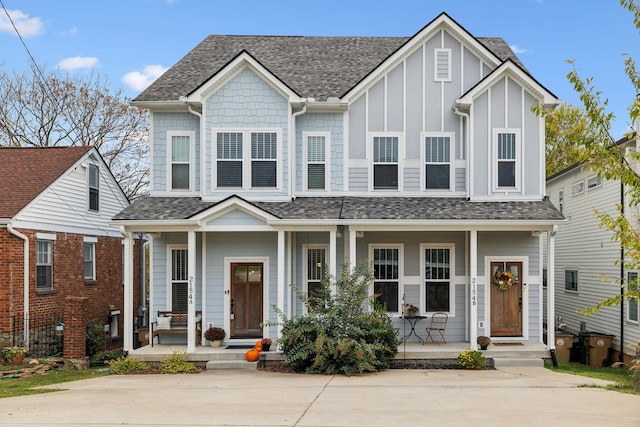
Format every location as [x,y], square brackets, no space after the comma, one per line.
[44,264]
[89,260]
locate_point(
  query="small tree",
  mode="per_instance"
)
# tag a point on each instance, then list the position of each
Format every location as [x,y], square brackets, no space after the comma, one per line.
[337,336]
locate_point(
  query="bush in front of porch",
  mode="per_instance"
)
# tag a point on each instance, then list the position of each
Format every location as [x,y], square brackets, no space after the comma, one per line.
[337,336]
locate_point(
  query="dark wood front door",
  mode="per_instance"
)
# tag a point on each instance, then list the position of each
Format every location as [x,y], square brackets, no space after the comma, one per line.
[246,300]
[506,306]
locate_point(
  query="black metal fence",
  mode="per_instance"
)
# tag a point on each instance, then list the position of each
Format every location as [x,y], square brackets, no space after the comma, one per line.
[45,335]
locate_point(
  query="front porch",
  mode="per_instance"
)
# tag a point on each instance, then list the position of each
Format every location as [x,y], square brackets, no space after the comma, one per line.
[502,354]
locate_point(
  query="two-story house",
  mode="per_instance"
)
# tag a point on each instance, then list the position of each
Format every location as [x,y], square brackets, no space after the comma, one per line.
[275,156]
[56,241]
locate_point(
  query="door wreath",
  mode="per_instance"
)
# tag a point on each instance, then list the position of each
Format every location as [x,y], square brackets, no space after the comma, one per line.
[504,280]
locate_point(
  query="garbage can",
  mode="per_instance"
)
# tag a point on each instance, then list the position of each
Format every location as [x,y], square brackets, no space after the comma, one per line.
[597,346]
[143,336]
[564,342]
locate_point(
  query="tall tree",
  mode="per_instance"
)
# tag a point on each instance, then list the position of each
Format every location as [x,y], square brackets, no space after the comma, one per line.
[567,131]
[48,110]
[608,161]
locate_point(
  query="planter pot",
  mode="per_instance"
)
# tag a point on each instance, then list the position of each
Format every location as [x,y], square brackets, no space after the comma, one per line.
[266,347]
[17,360]
[483,347]
[215,343]
[412,314]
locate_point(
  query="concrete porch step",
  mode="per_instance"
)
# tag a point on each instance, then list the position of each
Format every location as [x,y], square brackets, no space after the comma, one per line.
[213,365]
[520,362]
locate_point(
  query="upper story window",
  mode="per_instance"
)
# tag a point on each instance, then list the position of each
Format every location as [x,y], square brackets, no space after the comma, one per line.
[44,264]
[180,161]
[507,158]
[438,262]
[387,261]
[577,188]
[442,65]
[437,157]
[90,259]
[246,165]
[94,188]
[594,182]
[561,200]
[316,153]
[385,162]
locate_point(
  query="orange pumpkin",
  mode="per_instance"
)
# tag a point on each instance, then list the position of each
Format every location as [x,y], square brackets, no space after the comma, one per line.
[252,355]
[258,345]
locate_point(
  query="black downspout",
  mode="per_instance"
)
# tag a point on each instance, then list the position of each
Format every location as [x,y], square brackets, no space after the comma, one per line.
[622,282]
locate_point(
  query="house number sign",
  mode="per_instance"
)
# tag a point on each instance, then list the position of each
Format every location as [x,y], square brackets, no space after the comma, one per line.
[190,290]
[474,291]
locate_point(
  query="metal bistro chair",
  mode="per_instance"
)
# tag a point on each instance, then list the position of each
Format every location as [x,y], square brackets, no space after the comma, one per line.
[438,324]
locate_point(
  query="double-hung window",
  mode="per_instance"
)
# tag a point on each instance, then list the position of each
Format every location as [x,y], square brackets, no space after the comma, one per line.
[180,161]
[386,275]
[246,159]
[90,258]
[94,188]
[632,303]
[385,163]
[508,163]
[315,271]
[44,264]
[437,157]
[438,273]
[316,154]
[179,279]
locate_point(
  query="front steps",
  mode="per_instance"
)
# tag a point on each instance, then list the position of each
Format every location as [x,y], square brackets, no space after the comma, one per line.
[229,361]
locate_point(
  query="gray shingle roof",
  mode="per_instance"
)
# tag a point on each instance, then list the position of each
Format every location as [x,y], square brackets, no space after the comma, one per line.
[313,67]
[354,208]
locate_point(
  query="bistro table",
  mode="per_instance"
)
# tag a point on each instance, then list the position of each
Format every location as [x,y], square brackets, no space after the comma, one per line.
[412,321]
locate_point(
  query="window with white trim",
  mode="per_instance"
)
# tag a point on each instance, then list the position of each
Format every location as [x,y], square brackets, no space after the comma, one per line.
[94,188]
[386,275]
[89,261]
[316,154]
[315,270]
[179,279]
[44,264]
[437,275]
[594,182]
[246,165]
[507,147]
[571,280]
[180,161]
[437,157]
[385,163]
[577,188]
[632,303]
[442,65]
[561,200]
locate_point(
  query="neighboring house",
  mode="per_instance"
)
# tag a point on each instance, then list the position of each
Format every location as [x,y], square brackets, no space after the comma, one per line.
[273,157]
[56,240]
[587,268]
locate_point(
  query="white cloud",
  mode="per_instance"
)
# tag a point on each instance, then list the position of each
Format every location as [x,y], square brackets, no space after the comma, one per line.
[137,80]
[518,50]
[27,27]
[76,62]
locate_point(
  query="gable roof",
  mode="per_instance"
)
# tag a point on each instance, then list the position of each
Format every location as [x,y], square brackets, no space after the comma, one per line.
[27,172]
[313,67]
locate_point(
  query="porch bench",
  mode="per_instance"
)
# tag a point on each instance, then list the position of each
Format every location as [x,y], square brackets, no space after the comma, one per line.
[174,323]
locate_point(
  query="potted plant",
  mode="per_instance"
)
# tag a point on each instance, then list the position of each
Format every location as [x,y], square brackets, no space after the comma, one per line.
[483,342]
[412,310]
[15,354]
[266,344]
[214,335]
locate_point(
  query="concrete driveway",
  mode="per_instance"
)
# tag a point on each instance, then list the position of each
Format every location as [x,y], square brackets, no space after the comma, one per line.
[505,397]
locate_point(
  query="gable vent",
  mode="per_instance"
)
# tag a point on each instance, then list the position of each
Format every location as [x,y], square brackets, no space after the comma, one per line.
[442,65]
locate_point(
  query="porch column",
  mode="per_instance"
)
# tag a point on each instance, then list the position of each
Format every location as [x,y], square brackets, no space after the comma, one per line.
[127,339]
[333,259]
[352,249]
[191,292]
[281,277]
[551,292]
[473,276]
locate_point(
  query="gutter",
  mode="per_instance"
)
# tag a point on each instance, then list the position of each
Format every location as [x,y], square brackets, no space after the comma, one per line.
[467,139]
[202,144]
[25,279]
[292,139]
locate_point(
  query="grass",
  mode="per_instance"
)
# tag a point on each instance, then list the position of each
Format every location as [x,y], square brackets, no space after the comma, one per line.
[12,387]
[622,377]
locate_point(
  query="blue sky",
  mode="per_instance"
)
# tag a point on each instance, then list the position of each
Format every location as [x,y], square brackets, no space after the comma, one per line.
[133,41]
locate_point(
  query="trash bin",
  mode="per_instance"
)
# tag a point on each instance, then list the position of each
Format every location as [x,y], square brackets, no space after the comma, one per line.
[596,346]
[564,342]
[143,336]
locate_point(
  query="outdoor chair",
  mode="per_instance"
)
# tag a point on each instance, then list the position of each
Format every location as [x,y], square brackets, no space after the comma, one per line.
[437,326]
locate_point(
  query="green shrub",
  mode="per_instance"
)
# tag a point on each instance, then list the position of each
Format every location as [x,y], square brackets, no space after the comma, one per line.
[95,337]
[472,359]
[337,337]
[125,366]
[177,363]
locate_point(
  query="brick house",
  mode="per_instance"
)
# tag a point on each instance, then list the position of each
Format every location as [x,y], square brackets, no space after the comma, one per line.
[56,241]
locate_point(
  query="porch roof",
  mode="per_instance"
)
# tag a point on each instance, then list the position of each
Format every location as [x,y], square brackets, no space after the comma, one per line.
[349,208]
